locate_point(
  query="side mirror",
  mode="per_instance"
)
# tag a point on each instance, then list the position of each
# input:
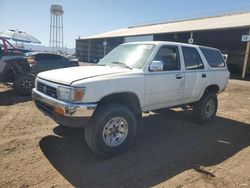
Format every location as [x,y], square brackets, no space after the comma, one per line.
[225,56]
[156,66]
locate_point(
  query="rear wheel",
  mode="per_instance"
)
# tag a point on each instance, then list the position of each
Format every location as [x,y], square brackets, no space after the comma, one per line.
[205,110]
[111,131]
[23,84]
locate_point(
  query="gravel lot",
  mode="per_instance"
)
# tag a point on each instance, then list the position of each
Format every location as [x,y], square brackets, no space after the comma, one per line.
[171,151]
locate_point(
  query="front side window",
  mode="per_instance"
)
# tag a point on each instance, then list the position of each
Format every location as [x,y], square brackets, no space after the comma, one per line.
[192,58]
[169,56]
[129,55]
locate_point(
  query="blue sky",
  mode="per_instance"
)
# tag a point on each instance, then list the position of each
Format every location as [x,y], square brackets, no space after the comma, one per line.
[87,17]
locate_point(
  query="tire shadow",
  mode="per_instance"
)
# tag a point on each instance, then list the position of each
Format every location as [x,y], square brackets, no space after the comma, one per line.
[169,144]
[9,97]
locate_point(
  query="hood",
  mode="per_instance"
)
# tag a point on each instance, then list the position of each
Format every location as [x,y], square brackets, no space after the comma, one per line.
[68,75]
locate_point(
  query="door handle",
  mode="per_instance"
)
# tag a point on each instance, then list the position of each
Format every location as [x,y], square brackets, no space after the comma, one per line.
[178,76]
[203,75]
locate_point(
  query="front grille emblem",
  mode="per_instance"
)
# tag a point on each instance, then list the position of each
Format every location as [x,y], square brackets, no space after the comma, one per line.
[44,89]
[48,90]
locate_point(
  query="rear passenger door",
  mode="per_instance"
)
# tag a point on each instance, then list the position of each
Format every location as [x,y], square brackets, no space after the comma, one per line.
[164,88]
[195,74]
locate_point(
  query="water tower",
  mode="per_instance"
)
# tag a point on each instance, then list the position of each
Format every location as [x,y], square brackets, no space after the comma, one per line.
[56,28]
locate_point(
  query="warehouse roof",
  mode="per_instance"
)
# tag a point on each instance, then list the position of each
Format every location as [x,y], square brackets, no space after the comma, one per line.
[209,23]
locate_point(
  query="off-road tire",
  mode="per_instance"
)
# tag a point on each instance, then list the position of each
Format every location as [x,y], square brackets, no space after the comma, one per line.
[94,132]
[23,84]
[200,108]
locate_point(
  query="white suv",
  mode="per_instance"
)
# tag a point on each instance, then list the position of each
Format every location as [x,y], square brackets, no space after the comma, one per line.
[108,99]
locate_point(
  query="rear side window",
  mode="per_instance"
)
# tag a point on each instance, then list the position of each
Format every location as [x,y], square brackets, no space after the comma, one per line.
[192,58]
[213,57]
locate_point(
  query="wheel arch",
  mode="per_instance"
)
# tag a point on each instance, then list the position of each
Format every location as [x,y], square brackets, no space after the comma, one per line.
[214,88]
[129,99]
[13,68]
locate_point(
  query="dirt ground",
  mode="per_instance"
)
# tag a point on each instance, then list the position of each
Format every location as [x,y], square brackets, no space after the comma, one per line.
[171,151]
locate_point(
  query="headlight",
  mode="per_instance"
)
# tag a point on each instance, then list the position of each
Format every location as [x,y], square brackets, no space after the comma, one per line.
[70,94]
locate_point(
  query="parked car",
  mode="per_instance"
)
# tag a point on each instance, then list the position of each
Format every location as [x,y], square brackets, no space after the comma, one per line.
[21,69]
[108,99]
[43,61]
[13,67]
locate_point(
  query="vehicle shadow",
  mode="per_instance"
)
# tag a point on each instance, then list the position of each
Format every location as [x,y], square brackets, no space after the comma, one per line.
[9,97]
[169,144]
[238,77]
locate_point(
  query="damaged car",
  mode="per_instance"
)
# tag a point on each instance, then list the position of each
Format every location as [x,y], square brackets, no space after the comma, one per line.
[19,69]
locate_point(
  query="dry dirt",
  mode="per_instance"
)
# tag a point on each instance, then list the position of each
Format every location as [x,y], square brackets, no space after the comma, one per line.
[171,151]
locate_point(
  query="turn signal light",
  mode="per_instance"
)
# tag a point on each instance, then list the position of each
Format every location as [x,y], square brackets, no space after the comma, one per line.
[79,94]
[59,110]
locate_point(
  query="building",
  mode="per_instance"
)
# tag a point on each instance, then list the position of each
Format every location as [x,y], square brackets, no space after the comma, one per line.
[222,32]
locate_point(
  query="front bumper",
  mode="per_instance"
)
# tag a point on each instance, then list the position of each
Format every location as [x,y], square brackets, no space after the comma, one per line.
[64,113]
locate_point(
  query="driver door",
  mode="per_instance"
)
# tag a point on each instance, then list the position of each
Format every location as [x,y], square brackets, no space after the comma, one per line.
[164,88]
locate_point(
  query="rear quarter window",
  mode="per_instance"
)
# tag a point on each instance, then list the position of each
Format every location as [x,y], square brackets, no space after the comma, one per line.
[213,57]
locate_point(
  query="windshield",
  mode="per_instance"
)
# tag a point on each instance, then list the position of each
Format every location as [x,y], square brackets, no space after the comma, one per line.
[128,55]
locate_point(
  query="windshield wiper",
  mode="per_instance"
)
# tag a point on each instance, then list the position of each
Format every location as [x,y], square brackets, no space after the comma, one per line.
[120,63]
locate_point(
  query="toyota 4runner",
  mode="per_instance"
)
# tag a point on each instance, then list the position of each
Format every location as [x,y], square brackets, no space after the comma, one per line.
[108,99]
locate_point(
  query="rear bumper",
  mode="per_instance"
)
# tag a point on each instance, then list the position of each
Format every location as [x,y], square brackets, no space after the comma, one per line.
[64,113]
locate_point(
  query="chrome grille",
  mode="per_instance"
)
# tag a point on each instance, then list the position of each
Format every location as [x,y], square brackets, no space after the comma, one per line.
[47,90]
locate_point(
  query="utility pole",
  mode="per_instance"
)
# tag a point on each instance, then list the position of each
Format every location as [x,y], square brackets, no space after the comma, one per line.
[246,37]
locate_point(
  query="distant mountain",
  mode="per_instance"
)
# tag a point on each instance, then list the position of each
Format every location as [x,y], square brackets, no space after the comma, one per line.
[42,48]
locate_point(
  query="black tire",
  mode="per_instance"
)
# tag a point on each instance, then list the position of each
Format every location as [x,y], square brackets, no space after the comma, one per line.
[203,111]
[23,84]
[94,133]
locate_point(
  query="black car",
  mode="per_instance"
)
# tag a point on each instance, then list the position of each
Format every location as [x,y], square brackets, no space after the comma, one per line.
[42,61]
[21,70]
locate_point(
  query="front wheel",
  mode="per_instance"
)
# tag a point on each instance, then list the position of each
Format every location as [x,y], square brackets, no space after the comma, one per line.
[111,131]
[205,109]
[24,84]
